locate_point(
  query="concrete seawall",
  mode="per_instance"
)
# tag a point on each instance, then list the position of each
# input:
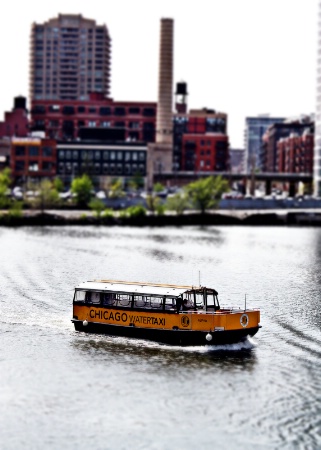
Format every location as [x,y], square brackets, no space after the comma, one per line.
[251,217]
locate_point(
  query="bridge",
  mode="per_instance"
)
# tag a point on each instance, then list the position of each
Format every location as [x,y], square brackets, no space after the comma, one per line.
[247,179]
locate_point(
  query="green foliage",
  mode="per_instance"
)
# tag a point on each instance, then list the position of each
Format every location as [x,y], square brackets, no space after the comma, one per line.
[15,210]
[81,187]
[160,209]
[178,202]
[206,192]
[152,202]
[136,182]
[158,187]
[47,196]
[116,189]
[108,213]
[5,181]
[136,211]
[58,184]
[97,206]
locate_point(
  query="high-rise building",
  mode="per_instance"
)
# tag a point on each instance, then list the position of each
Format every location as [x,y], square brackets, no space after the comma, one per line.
[255,129]
[70,57]
[317,141]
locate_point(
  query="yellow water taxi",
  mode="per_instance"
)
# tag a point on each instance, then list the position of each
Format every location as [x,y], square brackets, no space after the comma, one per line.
[166,313]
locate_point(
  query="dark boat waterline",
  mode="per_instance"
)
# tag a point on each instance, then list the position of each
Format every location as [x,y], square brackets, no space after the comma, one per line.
[171,337]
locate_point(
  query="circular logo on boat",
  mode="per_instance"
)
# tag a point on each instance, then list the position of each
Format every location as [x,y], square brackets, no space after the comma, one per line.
[185,321]
[244,319]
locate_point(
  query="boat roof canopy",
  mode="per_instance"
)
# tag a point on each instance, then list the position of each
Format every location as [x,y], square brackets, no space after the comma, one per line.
[169,290]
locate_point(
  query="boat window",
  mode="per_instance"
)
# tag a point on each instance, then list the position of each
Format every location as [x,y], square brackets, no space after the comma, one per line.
[80,296]
[140,301]
[156,302]
[210,300]
[170,303]
[199,300]
[124,300]
[109,299]
[93,297]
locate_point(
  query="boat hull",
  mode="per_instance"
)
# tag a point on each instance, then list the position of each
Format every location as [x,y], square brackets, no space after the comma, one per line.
[165,336]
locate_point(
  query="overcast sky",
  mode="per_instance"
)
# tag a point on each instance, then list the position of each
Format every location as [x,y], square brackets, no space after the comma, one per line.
[241,57]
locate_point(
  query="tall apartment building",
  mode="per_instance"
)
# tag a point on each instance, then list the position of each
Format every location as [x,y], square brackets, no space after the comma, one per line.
[255,129]
[70,57]
[317,141]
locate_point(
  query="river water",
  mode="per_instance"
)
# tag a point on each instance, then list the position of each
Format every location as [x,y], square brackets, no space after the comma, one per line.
[61,389]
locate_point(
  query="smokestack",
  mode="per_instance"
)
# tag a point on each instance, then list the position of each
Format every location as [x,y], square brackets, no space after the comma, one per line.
[164,125]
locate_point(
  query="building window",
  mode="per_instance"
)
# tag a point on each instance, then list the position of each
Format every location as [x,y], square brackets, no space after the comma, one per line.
[19,166]
[81,109]
[33,166]
[105,155]
[142,156]
[33,151]
[119,111]
[92,110]
[97,154]
[149,112]
[47,166]
[104,111]
[54,108]
[91,123]
[61,154]
[134,110]
[20,150]
[47,151]
[75,168]
[68,110]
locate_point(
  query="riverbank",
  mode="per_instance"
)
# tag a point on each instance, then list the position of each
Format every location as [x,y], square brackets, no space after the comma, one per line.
[293,217]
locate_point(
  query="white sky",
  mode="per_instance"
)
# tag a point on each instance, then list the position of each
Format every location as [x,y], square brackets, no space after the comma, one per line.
[241,57]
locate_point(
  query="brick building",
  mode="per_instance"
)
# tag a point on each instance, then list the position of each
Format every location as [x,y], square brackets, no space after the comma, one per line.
[33,158]
[200,141]
[295,153]
[15,122]
[64,119]
[272,136]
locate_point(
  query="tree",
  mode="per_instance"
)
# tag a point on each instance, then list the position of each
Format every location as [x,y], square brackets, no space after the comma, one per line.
[178,203]
[153,203]
[58,184]
[116,189]
[5,181]
[206,192]
[97,206]
[158,187]
[82,187]
[47,196]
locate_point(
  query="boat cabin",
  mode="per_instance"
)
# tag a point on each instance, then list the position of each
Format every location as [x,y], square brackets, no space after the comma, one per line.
[146,296]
